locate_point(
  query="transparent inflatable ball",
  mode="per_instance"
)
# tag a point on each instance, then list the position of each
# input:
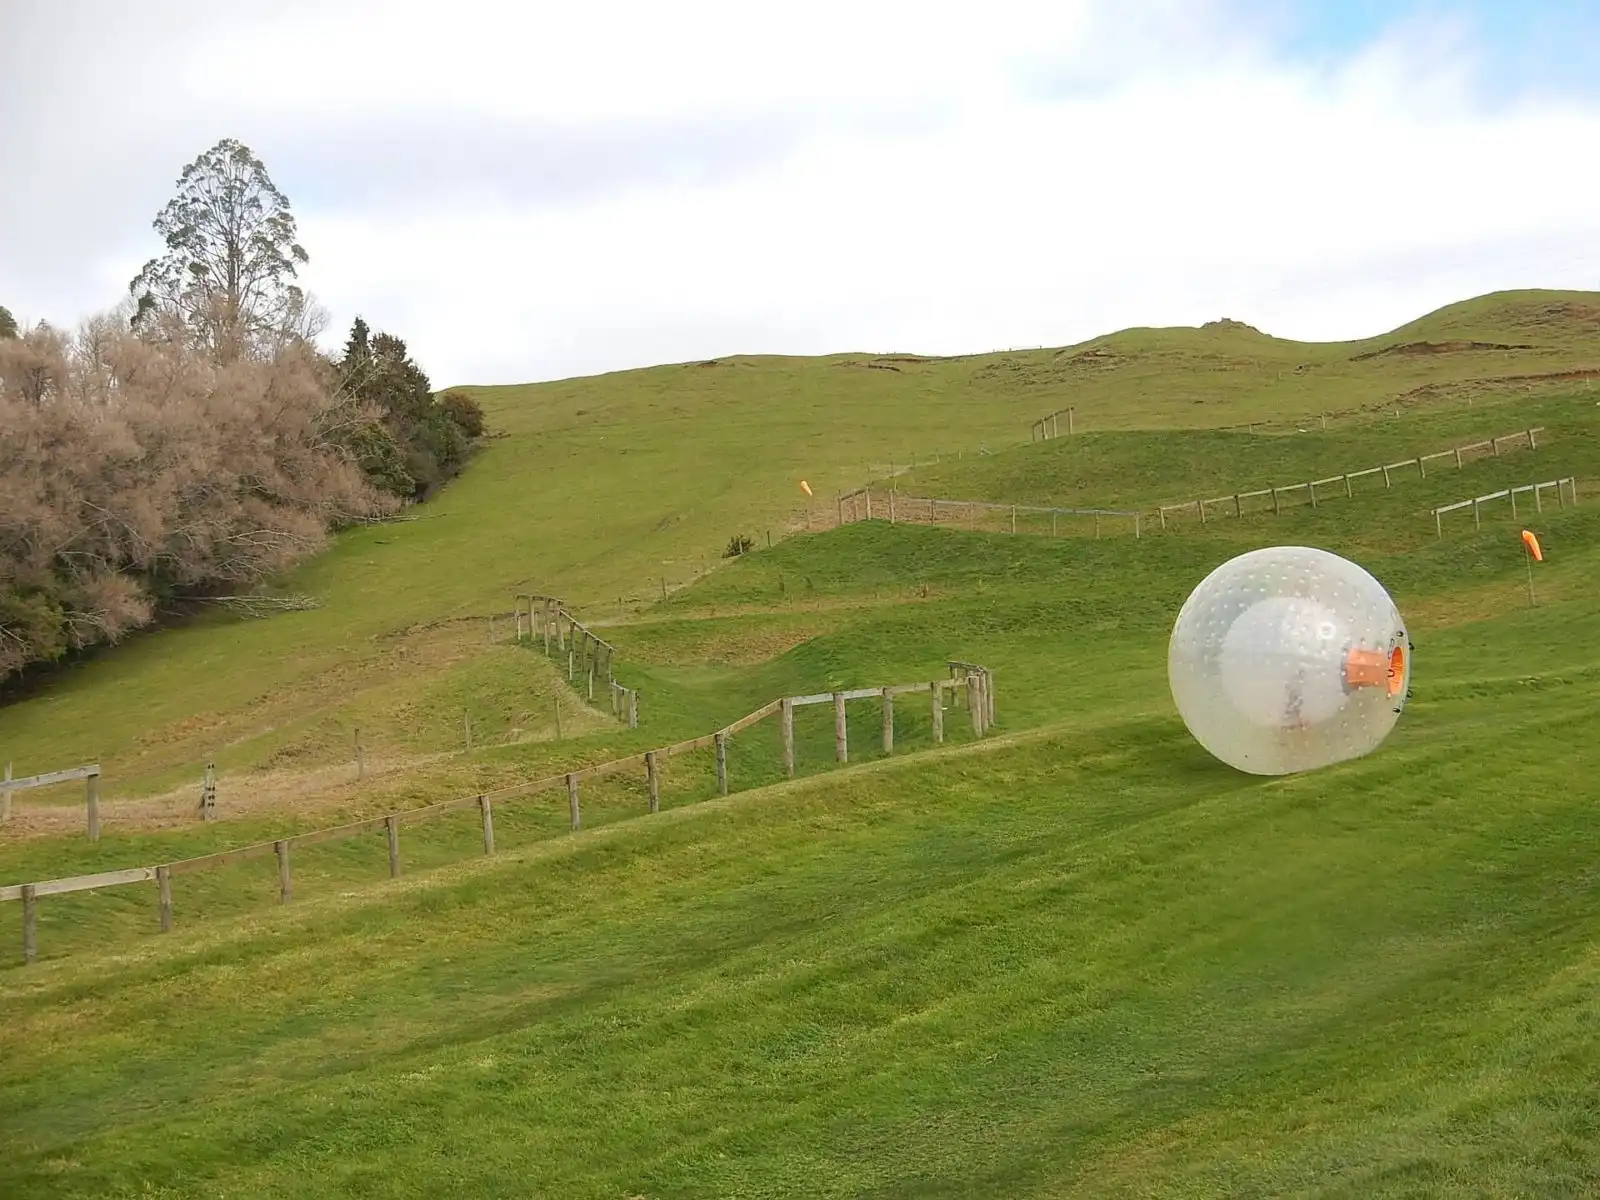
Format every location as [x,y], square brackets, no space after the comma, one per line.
[1287,659]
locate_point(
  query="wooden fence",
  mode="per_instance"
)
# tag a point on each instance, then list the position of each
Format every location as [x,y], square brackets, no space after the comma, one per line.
[1049,426]
[90,774]
[1333,485]
[1511,493]
[589,656]
[928,510]
[976,682]
[867,503]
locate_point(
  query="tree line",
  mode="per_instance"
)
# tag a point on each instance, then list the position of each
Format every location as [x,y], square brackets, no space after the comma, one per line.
[194,440]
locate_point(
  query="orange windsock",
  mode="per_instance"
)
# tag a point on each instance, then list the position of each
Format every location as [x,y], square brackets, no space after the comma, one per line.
[1532,543]
[805,487]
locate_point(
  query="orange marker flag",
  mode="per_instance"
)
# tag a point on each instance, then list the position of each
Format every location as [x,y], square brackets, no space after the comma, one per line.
[1532,544]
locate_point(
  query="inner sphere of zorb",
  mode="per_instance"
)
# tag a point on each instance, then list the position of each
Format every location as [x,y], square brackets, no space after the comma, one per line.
[1288,659]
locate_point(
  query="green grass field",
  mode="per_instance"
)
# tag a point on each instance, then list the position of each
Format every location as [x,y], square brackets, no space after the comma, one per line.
[1078,957]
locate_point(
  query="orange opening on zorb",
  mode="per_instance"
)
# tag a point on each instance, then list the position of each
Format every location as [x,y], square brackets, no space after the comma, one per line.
[1374,668]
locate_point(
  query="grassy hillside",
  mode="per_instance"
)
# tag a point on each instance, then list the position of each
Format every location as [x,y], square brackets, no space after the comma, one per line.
[609,489]
[1081,958]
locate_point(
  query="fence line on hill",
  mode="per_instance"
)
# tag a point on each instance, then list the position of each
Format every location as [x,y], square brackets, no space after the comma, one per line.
[1537,490]
[588,654]
[975,681]
[925,510]
[1200,507]
[1049,425]
[896,507]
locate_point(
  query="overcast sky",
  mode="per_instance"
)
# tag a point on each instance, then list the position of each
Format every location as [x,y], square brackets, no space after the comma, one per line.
[538,190]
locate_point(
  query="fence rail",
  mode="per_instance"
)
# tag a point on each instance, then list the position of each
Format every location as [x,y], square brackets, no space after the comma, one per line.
[1561,486]
[1204,508]
[975,681]
[1049,425]
[926,510]
[89,773]
[858,505]
[588,654]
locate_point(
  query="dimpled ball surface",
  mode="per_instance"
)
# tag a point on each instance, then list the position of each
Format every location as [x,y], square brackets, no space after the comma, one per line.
[1258,656]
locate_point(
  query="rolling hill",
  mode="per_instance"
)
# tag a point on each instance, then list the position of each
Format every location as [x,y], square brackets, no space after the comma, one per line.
[1077,957]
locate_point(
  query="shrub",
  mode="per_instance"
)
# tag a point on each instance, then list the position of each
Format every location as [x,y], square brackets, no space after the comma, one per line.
[464,411]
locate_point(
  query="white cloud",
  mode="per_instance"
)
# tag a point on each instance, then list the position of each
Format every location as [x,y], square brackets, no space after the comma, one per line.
[563,189]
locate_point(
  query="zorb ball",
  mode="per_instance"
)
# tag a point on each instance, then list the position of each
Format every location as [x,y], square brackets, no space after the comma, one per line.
[1287,659]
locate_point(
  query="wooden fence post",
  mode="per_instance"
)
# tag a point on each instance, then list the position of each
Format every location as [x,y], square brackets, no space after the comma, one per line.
[1438,524]
[1277,506]
[1199,507]
[1347,492]
[652,778]
[841,743]
[938,713]
[391,829]
[1513,493]
[591,680]
[164,898]
[29,919]
[5,796]
[1311,486]
[1538,500]
[1386,482]
[486,807]
[1013,518]
[633,709]
[975,701]
[208,793]
[281,849]
[1422,468]
[888,721]
[720,742]
[1532,445]
[786,734]
[572,801]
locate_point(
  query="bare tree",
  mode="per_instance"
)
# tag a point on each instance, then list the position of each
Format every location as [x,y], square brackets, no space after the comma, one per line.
[135,470]
[231,258]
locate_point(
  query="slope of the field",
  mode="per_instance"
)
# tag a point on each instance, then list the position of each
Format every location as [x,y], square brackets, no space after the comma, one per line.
[606,489]
[1082,958]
